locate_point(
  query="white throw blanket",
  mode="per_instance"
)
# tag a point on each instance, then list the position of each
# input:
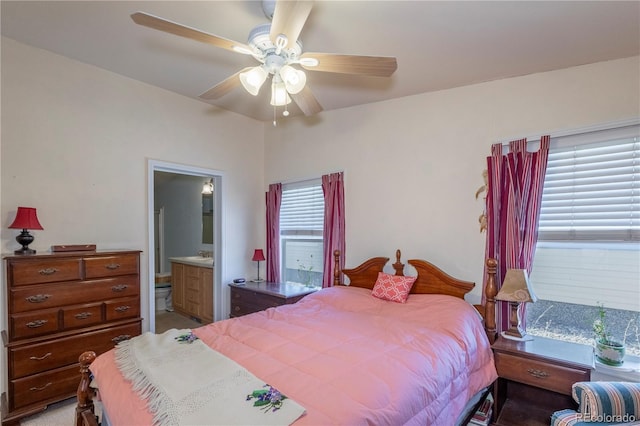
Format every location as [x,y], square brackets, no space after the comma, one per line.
[191,384]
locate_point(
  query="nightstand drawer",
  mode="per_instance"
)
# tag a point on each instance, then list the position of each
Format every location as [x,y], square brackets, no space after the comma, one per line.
[252,297]
[541,374]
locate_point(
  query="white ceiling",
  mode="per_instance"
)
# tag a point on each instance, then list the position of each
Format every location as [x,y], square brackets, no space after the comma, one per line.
[438,45]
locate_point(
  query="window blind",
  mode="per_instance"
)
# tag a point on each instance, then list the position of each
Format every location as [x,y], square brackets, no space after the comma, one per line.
[302,209]
[592,190]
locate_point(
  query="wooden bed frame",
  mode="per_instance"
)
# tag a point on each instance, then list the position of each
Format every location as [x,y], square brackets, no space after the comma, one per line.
[430,280]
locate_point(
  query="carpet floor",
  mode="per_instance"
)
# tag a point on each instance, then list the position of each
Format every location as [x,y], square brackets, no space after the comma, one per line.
[59,414]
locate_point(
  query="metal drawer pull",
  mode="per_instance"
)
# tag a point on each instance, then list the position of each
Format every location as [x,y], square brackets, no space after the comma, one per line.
[37,298]
[121,337]
[112,266]
[124,308]
[36,323]
[47,271]
[538,373]
[40,358]
[119,288]
[83,315]
[236,308]
[41,387]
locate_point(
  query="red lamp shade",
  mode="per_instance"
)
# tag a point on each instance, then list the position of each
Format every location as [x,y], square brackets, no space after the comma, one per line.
[258,255]
[26,218]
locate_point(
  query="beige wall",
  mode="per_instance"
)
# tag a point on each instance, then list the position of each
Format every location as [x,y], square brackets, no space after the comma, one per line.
[76,141]
[413,165]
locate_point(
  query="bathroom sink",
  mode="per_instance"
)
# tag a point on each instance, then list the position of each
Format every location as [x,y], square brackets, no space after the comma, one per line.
[193,260]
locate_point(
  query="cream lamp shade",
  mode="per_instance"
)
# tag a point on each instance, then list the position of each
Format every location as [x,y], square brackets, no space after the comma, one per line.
[516,290]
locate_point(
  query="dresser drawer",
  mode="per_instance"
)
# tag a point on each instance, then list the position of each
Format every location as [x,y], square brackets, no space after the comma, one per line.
[253,298]
[110,266]
[239,309]
[81,316]
[44,386]
[34,324]
[25,299]
[34,358]
[557,378]
[43,271]
[122,308]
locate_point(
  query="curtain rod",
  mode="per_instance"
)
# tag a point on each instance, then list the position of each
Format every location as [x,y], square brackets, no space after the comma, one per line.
[308,179]
[579,130]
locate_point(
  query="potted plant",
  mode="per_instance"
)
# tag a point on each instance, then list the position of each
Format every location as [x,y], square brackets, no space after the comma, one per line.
[607,350]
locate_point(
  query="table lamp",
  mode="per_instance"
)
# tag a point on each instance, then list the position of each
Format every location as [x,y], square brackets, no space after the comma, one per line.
[258,256]
[516,290]
[26,218]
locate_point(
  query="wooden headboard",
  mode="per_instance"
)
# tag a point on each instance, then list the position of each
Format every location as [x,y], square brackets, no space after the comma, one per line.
[430,280]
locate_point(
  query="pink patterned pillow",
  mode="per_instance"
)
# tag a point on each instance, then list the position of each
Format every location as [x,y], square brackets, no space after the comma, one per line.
[392,287]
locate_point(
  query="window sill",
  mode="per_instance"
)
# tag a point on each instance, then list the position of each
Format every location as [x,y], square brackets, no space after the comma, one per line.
[627,372]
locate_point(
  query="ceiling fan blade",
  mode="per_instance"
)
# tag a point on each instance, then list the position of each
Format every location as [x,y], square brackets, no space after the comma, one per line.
[289,18]
[307,103]
[225,86]
[376,66]
[142,18]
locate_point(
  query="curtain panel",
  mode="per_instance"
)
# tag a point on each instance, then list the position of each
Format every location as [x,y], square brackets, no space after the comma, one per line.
[273,200]
[334,224]
[514,193]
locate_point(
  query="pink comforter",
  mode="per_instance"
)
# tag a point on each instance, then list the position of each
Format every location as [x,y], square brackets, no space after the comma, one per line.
[347,357]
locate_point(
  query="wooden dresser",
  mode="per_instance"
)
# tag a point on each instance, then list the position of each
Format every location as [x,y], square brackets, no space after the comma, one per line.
[250,297]
[60,305]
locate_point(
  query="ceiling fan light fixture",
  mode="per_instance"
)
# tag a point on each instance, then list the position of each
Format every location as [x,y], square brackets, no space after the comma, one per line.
[253,79]
[279,95]
[294,80]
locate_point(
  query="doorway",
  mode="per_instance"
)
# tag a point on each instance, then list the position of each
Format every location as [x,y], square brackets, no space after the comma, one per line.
[174,222]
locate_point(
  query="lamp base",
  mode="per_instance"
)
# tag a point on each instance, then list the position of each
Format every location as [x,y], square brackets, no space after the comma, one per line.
[25,251]
[258,280]
[24,238]
[524,338]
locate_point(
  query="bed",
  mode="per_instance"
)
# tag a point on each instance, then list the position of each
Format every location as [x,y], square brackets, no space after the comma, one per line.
[343,355]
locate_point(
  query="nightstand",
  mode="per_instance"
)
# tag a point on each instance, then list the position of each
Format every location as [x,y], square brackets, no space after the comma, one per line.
[535,378]
[250,297]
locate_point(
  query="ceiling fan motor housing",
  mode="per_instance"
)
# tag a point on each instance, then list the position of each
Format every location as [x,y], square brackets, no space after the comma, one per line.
[263,47]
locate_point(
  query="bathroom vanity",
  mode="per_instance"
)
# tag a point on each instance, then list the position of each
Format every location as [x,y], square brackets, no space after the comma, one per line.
[192,287]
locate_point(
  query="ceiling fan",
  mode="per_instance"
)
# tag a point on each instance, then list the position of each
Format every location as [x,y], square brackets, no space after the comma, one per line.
[277,47]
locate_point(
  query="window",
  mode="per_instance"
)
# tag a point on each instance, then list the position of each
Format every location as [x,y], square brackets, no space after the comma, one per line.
[588,250]
[301,228]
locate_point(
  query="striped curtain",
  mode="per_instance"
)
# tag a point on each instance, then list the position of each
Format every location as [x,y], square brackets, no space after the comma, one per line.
[334,231]
[514,193]
[273,200]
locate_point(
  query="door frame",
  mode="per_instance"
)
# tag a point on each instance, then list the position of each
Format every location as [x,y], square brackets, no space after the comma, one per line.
[218,229]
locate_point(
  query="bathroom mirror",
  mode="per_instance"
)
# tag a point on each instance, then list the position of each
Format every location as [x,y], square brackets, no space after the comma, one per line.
[207,218]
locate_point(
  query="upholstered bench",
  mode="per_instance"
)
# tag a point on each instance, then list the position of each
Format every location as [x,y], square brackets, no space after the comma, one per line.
[602,403]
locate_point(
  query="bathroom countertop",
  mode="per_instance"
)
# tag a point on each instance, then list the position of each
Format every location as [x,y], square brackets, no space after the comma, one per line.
[205,262]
